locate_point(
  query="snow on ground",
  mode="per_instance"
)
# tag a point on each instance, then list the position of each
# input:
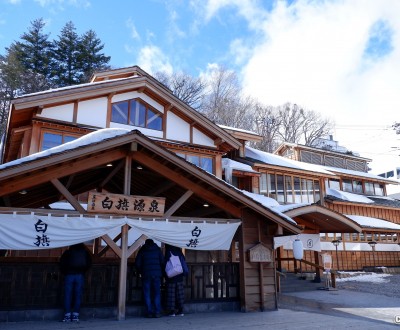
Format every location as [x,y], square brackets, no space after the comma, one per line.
[365,277]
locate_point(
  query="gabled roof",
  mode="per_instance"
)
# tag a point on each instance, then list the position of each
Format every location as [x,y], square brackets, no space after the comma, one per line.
[74,169]
[24,108]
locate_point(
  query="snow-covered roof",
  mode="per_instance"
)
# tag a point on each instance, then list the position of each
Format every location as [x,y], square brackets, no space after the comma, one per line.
[226,162]
[48,91]
[346,196]
[237,129]
[373,222]
[276,160]
[269,203]
[271,159]
[87,139]
[358,173]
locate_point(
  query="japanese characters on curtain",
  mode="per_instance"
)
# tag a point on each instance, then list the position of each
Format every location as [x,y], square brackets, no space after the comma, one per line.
[34,231]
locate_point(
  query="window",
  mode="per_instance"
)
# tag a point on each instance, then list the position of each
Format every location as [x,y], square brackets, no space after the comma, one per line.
[347,185]
[136,113]
[54,139]
[205,163]
[334,184]
[379,191]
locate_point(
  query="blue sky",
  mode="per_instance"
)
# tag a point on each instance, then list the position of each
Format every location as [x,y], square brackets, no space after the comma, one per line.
[340,58]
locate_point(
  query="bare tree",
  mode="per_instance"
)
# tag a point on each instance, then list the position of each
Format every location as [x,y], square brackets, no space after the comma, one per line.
[188,89]
[224,103]
[267,124]
[301,126]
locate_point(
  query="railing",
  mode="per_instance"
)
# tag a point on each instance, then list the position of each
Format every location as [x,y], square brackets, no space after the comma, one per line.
[313,265]
[36,285]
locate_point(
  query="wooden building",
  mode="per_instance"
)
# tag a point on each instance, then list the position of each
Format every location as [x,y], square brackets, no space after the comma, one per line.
[126,134]
[166,149]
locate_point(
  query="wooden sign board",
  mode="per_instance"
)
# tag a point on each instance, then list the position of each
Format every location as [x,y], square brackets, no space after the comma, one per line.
[126,204]
[260,253]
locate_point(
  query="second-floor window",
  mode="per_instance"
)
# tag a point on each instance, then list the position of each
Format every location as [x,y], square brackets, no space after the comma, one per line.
[53,139]
[287,189]
[136,113]
[206,163]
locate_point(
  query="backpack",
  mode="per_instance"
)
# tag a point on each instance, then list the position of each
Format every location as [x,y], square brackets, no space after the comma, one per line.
[173,266]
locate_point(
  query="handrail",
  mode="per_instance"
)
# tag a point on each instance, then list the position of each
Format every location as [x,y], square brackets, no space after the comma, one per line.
[333,272]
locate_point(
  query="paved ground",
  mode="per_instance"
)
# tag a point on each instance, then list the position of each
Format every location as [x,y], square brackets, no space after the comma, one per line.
[316,309]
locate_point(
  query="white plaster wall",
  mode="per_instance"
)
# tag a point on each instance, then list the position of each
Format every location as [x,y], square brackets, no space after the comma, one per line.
[177,128]
[145,131]
[134,95]
[202,139]
[93,112]
[62,112]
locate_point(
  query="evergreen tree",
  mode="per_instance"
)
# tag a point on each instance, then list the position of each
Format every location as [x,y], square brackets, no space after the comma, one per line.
[90,59]
[34,50]
[66,50]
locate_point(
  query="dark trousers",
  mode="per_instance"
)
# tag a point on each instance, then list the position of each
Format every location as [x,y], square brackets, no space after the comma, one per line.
[152,294]
[73,288]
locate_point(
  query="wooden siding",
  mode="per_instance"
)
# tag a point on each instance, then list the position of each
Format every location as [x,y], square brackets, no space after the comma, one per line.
[257,279]
[373,211]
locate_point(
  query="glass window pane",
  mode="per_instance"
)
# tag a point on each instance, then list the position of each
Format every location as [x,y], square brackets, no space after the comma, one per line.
[289,189]
[119,113]
[357,187]
[378,189]
[317,193]
[297,190]
[304,193]
[69,138]
[347,185]
[154,120]
[280,188]
[206,164]
[51,140]
[272,191]
[263,184]
[369,188]
[334,184]
[138,114]
[193,159]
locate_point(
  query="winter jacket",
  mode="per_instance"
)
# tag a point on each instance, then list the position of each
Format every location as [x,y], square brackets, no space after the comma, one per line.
[76,260]
[150,260]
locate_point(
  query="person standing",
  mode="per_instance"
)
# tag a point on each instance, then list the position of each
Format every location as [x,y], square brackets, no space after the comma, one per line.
[74,263]
[175,287]
[149,262]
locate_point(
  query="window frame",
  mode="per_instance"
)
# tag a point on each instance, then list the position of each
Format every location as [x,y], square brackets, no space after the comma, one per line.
[148,120]
[63,135]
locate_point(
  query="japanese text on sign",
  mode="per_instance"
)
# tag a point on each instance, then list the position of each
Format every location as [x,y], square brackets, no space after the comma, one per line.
[41,238]
[124,204]
[194,240]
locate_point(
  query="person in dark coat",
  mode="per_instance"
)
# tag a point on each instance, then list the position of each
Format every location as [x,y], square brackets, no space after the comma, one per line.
[74,263]
[150,262]
[175,287]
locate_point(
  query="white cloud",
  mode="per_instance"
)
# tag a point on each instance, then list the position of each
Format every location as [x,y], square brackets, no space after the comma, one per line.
[14,2]
[312,54]
[152,60]
[130,24]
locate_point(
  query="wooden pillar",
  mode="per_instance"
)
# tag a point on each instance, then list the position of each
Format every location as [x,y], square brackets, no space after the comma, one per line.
[122,273]
[318,271]
[124,247]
